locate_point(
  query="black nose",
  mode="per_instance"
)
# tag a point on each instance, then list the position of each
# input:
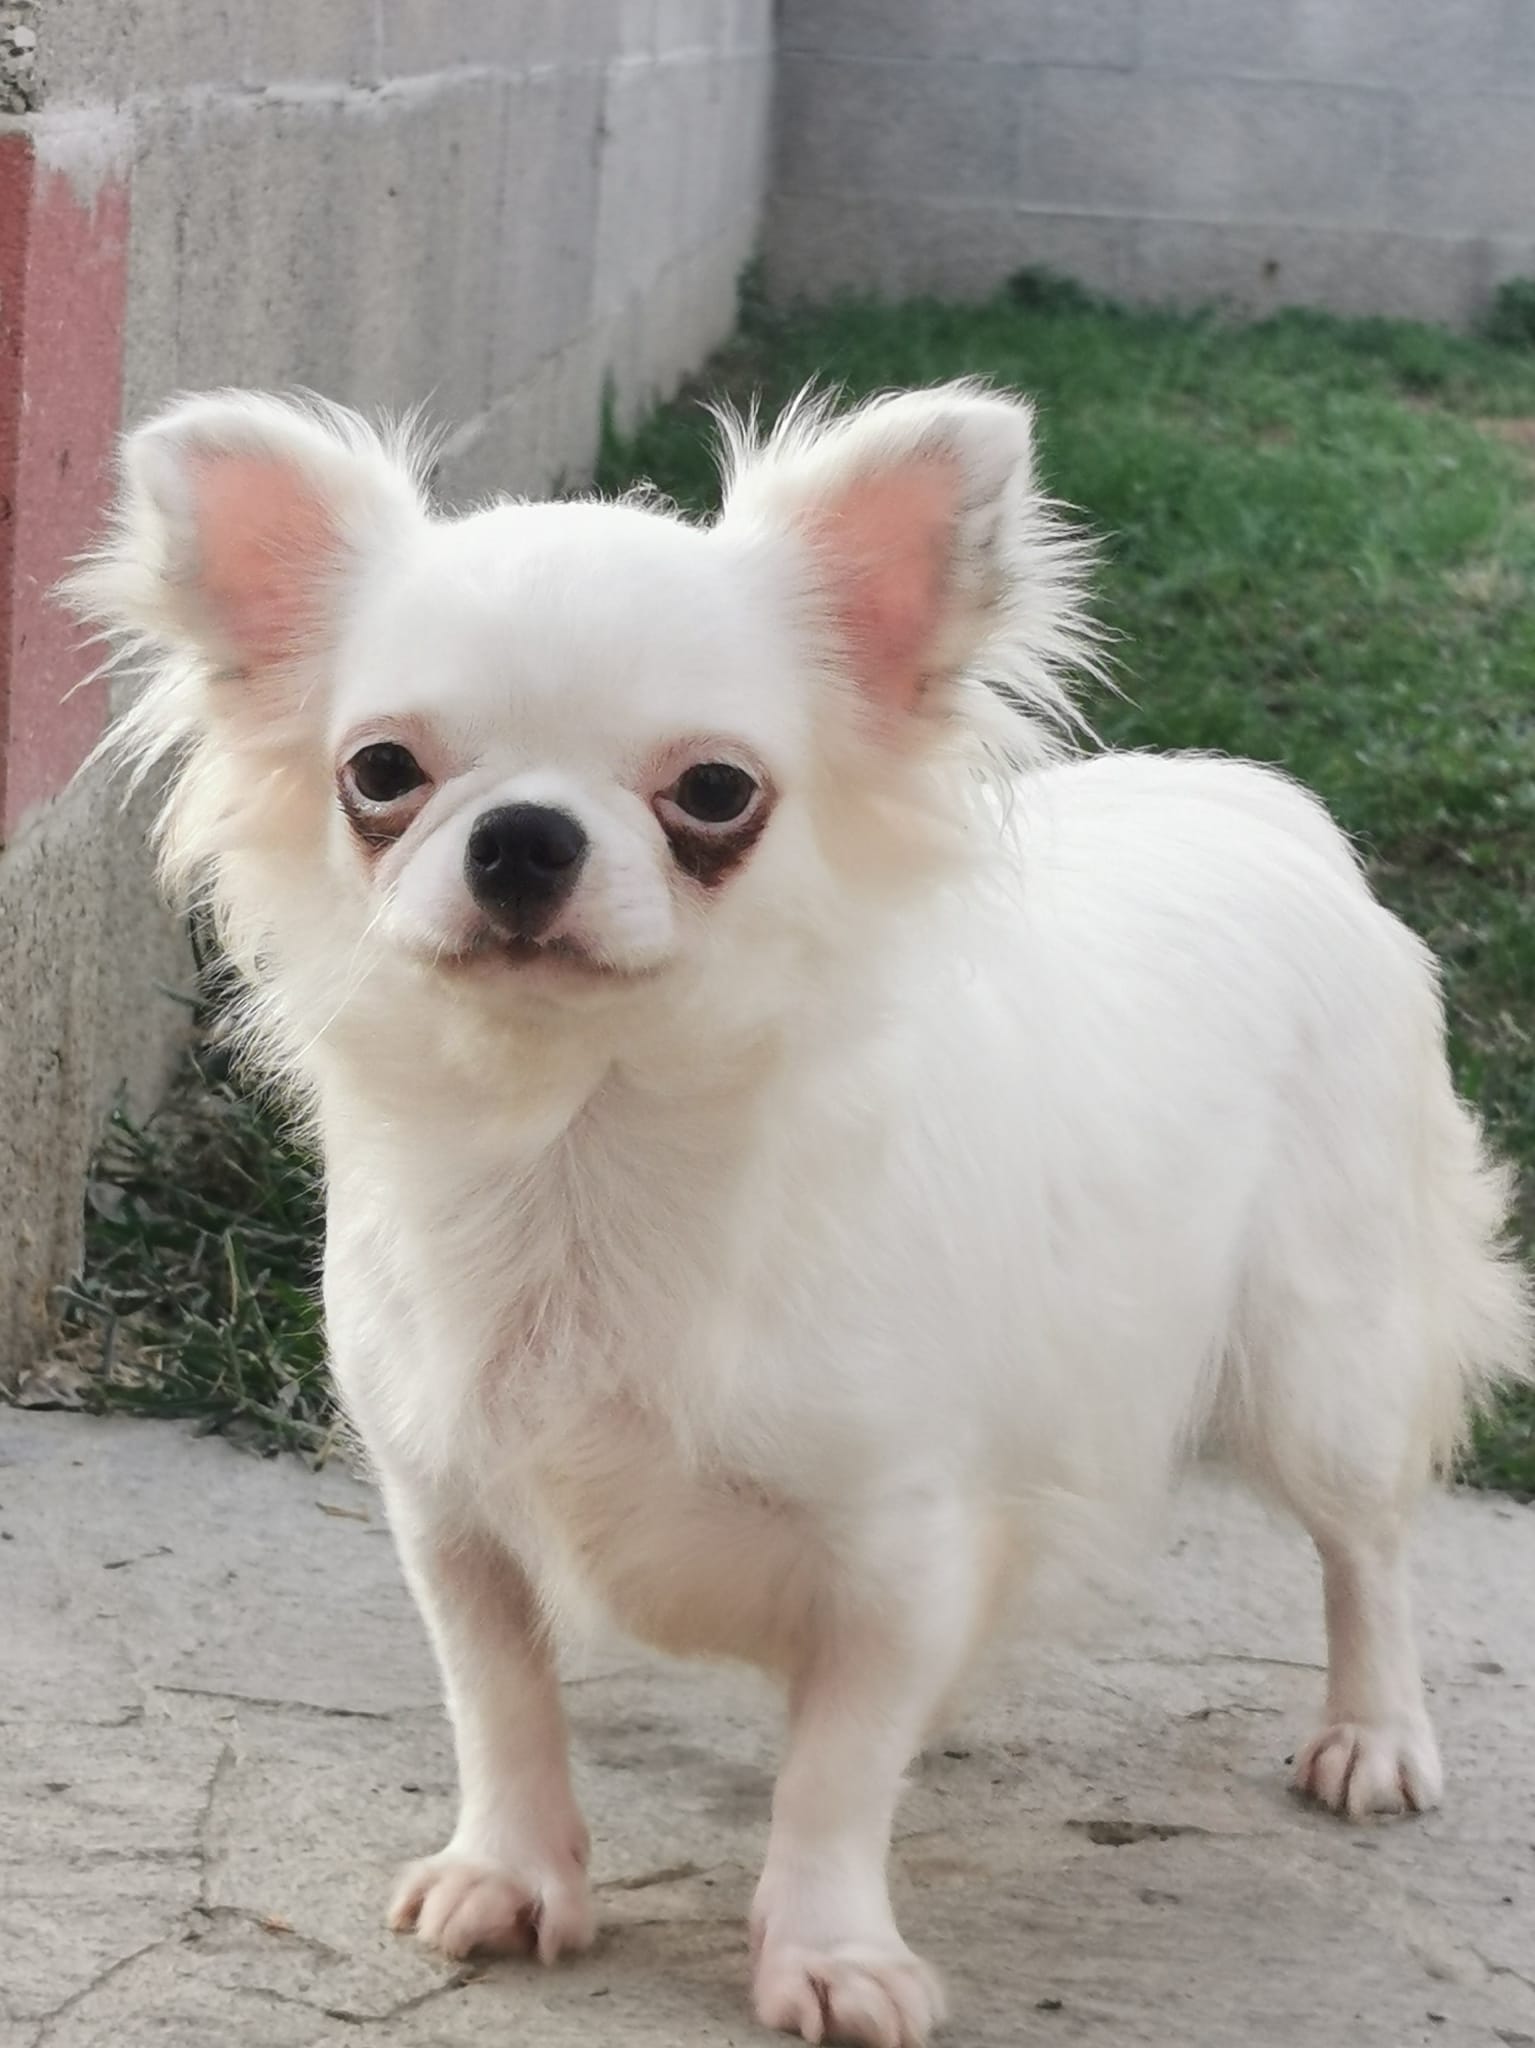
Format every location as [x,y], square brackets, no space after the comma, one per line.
[521,863]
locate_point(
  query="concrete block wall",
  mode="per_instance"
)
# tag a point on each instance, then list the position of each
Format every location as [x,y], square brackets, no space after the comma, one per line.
[1364,155]
[499,208]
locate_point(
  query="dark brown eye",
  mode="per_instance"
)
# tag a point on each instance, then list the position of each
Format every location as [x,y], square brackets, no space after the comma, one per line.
[384,772]
[714,793]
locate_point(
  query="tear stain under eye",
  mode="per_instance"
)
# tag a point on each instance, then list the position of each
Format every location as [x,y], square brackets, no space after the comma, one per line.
[710,858]
[373,831]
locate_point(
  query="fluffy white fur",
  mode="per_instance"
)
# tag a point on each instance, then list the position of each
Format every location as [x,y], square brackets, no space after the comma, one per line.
[801,1268]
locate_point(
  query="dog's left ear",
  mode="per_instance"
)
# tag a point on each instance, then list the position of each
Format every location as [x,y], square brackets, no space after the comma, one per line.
[914,514]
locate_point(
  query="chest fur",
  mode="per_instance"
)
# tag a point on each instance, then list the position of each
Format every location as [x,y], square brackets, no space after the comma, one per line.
[562,1344]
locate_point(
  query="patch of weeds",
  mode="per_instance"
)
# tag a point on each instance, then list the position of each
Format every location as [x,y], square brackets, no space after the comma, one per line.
[1044,291]
[1511,320]
[199,1294]
[1502,1450]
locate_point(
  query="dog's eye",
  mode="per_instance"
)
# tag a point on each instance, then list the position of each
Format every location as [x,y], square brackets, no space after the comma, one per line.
[714,793]
[384,772]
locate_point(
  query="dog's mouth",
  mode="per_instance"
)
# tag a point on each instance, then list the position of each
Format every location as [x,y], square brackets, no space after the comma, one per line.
[559,958]
[562,952]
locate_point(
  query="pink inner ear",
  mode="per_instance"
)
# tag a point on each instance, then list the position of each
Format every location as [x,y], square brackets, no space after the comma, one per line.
[886,542]
[263,538]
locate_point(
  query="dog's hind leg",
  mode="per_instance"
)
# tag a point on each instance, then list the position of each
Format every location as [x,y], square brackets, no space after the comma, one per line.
[1375,1751]
[1382,1306]
[1327,1429]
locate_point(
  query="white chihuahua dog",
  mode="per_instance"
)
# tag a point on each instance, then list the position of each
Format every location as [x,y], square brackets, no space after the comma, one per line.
[808,1156]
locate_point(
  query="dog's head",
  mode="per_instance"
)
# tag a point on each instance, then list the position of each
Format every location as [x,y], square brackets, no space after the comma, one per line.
[545,755]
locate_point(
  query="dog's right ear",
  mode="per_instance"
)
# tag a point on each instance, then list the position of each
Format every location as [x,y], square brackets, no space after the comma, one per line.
[240,523]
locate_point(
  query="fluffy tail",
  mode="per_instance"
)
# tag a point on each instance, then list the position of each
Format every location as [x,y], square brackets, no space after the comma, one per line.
[1478,1295]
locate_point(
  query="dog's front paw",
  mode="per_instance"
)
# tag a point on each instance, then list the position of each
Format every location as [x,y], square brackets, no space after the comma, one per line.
[1361,1768]
[463,1907]
[873,1995]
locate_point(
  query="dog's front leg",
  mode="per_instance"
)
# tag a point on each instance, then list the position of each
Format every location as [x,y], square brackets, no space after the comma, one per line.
[513,1876]
[883,1651]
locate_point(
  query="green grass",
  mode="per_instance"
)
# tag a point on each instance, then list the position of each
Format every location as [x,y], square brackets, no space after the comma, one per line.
[199,1295]
[1319,550]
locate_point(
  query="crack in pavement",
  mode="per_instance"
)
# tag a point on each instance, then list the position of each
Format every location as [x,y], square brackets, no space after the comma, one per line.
[670,1873]
[205,1912]
[348,2015]
[130,1717]
[264,1923]
[457,1982]
[247,1699]
[50,2020]
[1503,1970]
[733,1921]
[176,1934]
[351,2016]
[1168,1663]
[222,1764]
[573,1681]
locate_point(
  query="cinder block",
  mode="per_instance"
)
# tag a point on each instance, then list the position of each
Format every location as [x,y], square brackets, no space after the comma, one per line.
[749,30]
[707,147]
[654,338]
[635,29]
[748,133]
[422,37]
[1416,44]
[1464,163]
[323,40]
[897,248]
[426,224]
[936,131]
[90,965]
[1286,39]
[1215,149]
[988,31]
[707,304]
[562,34]
[151,47]
[681,90]
[546,233]
[637,191]
[690,25]
[350,247]
[1255,270]
[719,145]
[661,336]
[194,188]
[539,434]
[716,297]
[205,308]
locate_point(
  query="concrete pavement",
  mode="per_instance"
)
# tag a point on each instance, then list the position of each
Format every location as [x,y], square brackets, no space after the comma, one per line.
[220,1735]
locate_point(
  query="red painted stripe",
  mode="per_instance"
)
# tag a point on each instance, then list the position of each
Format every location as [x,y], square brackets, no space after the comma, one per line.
[63,288]
[15,234]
